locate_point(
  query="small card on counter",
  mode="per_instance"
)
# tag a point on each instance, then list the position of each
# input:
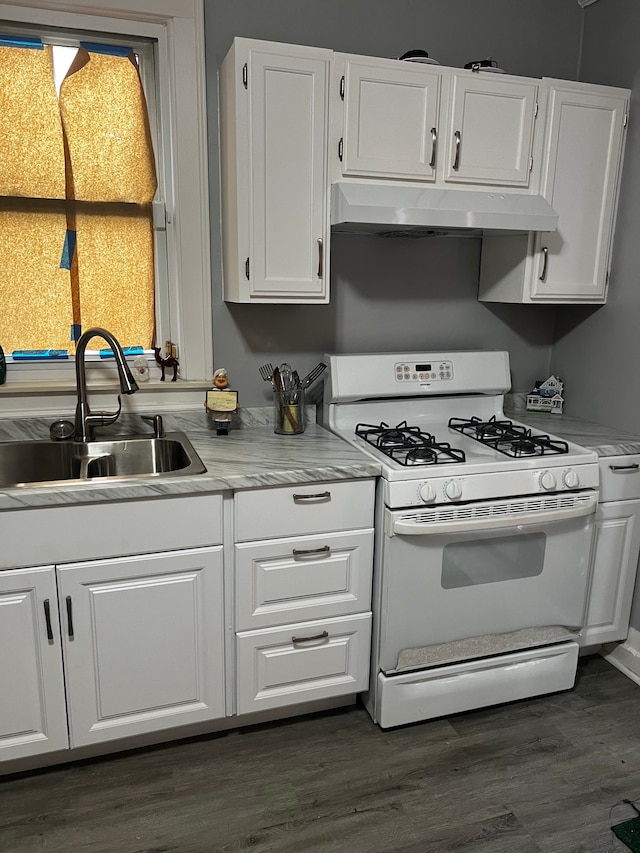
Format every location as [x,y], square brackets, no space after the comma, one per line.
[222,401]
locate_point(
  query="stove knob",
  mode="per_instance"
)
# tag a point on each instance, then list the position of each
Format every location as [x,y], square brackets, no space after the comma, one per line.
[427,493]
[453,490]
[570,479]
[547,481]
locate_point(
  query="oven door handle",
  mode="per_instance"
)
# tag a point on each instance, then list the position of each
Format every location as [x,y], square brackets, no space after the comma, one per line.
[406,527]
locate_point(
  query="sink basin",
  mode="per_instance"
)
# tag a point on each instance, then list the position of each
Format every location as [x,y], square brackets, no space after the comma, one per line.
[37,463]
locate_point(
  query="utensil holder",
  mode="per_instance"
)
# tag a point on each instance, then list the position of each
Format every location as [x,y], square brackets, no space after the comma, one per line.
[288,412]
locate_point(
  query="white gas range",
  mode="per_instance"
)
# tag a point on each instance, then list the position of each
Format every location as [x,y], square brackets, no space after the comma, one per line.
[483,533]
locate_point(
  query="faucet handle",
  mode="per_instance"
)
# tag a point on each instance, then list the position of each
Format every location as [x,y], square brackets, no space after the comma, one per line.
[103,418]
[156,422]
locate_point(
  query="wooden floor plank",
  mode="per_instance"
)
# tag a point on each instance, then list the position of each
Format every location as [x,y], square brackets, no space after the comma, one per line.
[546,775]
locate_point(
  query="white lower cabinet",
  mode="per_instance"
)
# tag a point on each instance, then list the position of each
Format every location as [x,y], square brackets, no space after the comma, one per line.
[123,647]
[303,603]
[99,650]
[143,643]
[33,718]
[615,551]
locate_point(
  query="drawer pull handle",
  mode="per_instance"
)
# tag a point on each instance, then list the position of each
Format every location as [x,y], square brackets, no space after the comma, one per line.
[633,467]
[320,496]
[69,617]
[306,552]
[318,638]
[47,618]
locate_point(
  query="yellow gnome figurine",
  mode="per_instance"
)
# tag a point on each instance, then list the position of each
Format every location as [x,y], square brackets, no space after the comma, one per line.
[221,403]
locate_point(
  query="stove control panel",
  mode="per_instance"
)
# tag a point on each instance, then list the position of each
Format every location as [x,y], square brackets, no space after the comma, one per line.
[426,371]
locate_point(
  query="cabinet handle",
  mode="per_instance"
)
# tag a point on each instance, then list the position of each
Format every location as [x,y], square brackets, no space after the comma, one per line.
[434,146]
[320,257]
[628,468]
[317,638]
[319,496]
[47,618]
[299,552]
[456,159]
[69,617]
[340,149]
[545,263]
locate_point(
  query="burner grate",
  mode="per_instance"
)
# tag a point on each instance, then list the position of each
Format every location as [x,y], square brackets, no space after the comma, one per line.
[508,438]
[408,445]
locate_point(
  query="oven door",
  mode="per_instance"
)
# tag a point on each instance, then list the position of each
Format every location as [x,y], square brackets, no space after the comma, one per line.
[467,571]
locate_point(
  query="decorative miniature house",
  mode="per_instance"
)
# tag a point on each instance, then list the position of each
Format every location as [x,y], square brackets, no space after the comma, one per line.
[546,396]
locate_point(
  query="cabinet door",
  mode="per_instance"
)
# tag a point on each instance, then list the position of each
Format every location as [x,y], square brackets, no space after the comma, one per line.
[274,165]
[391,119]
[616,548]
[582,163]
[33,717]
[490,135]
[143,643]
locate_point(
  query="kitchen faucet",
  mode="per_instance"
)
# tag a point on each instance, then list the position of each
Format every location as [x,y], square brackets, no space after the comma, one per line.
[85,419]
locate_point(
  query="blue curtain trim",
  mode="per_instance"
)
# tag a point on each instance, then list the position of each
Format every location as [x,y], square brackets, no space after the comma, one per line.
[108,49]
[21,41]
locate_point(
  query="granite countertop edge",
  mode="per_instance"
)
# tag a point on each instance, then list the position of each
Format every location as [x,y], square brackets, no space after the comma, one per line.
[251,457]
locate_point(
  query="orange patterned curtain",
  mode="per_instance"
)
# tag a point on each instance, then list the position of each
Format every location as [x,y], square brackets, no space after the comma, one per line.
[77,180]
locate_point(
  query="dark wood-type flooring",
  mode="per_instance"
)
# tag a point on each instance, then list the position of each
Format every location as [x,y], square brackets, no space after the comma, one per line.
[547,774]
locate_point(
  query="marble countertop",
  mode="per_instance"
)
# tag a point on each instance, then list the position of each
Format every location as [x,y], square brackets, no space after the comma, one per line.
[604,440]
[250,457]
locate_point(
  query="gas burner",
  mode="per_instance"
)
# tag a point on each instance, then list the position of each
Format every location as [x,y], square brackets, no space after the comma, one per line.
[508,438]
[421,456]
[523,447]
[408,445]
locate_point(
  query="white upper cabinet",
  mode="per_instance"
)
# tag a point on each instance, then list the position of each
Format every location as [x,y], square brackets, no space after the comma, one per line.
[489,138]
[391,116]
[407,121]
[582,162]
[274,133]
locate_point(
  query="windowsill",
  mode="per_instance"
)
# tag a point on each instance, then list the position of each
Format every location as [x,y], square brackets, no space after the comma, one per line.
[66,386]
[59,396]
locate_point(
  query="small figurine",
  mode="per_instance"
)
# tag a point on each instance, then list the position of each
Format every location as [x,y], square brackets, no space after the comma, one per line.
[221,403]
[546,396]
[141,368]
[169,361]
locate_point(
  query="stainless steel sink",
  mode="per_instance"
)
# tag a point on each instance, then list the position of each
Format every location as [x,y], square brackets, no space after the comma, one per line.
[37,463]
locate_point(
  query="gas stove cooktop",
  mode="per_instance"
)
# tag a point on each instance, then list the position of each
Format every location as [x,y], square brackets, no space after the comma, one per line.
[436,425]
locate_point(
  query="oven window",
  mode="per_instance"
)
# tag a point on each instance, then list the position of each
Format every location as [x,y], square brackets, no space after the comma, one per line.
[492,560]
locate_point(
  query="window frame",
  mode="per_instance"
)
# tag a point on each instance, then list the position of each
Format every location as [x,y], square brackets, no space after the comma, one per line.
[177,28]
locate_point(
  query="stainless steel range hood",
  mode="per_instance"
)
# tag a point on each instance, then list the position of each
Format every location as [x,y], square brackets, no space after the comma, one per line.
[391,210]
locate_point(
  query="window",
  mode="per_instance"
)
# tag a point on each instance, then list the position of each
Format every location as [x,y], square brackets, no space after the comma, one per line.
[173,31]
[77,182]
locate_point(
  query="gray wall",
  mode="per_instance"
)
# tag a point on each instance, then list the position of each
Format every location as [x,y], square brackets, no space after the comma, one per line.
[402,293]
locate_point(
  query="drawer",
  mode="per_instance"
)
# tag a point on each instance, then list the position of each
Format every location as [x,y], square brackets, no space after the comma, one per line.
[619,478]
[303,662]
[296,579]
[109,529]
[306,508]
